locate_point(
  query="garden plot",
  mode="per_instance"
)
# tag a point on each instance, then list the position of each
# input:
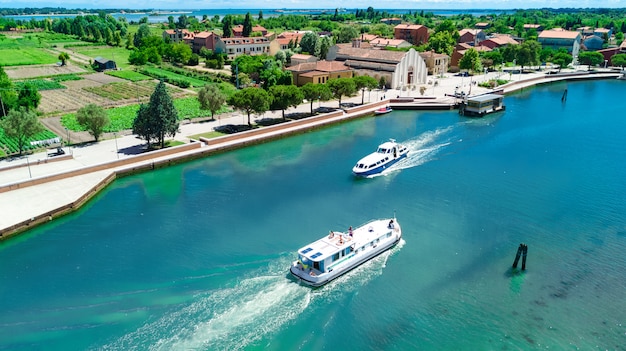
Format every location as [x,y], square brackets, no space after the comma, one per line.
[68,100]
[102,78]
[24,72]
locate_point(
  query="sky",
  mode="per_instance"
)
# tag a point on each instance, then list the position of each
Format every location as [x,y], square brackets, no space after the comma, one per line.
[307,4]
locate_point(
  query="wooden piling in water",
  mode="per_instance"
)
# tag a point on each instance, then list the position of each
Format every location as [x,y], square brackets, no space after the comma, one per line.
[517,256]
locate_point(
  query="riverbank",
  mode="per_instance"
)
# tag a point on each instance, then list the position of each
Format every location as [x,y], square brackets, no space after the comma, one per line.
[37,192]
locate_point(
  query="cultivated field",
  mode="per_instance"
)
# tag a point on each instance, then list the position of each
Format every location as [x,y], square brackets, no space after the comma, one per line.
[26,72]
[100,89]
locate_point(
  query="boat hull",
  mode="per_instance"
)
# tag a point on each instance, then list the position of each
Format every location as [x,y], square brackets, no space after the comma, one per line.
[379,169]
[369,241]
[320,282]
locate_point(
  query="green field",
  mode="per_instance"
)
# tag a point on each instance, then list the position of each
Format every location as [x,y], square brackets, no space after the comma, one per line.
[128,75]
[122,117]
[128,90]
[119,55]
[40,84]
[162,73]
[25,56]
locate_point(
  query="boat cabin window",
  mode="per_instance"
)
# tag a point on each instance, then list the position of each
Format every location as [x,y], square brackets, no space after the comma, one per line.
[316,265]
[336,257]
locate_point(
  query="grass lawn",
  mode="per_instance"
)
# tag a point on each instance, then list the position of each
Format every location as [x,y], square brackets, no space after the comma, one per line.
[25,56]
[117,54]
[128,75]
[207,135]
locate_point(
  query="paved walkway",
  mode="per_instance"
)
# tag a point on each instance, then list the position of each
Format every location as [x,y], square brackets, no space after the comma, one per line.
[20,205]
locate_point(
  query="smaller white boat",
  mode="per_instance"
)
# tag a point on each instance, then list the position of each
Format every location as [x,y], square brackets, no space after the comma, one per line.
[337,253]
[386,155]
[383,110]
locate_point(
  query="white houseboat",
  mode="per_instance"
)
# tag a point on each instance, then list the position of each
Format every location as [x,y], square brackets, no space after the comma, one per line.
[337,253]
[386,155]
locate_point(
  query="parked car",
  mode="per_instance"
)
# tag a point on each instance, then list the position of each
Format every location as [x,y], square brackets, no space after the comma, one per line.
[58,152]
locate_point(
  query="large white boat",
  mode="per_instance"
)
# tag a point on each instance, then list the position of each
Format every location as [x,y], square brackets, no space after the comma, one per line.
[337,253]
[385,156]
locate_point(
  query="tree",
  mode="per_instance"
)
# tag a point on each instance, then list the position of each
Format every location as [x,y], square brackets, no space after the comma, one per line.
[179,53]
[340,87]
[365,82]
[442,43]
[382,82]
[562,59]
[64,56]
[247,26]
[137,58]
[285,96]
[281,57]
[142,32]
[618,60]
[590,58]
[251,100]
[309,43]
[183,22]
[528,53]
[346,34]
[211,98]
[470,60]
[129,41]
[28,97]
[324,46]
[313,92]
[8,97]
[21,125]
[260,15]
[227,26]
[159,118]
[94,119]
[142,124]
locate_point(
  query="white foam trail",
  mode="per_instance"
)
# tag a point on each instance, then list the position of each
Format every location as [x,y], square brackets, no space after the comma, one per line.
[422,149]
[233,318]
[269,303]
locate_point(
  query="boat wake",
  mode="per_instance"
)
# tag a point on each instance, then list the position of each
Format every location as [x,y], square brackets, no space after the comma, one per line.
[422,149]
[233,318]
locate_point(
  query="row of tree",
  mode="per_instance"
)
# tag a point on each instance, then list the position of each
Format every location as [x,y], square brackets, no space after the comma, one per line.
[280,97]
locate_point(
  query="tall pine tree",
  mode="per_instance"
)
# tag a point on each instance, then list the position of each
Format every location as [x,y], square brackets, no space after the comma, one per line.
[158,119]
[247,26]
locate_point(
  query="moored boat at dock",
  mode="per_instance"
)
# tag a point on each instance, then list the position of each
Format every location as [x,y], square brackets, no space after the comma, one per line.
[337,253]
[383,110]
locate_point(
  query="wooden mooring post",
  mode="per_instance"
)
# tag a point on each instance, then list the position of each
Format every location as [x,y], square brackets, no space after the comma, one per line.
[522,251]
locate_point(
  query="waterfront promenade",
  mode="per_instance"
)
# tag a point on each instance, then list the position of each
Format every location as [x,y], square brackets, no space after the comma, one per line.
[36,188]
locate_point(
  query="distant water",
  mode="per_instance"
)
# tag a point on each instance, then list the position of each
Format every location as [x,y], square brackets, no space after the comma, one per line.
[162,15]
[195,257]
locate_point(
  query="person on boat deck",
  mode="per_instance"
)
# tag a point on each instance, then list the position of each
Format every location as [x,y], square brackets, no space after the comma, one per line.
[331,235]
[391,224]
[350,231]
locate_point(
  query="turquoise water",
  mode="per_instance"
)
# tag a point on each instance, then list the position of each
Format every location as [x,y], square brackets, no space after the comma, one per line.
[195,257]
